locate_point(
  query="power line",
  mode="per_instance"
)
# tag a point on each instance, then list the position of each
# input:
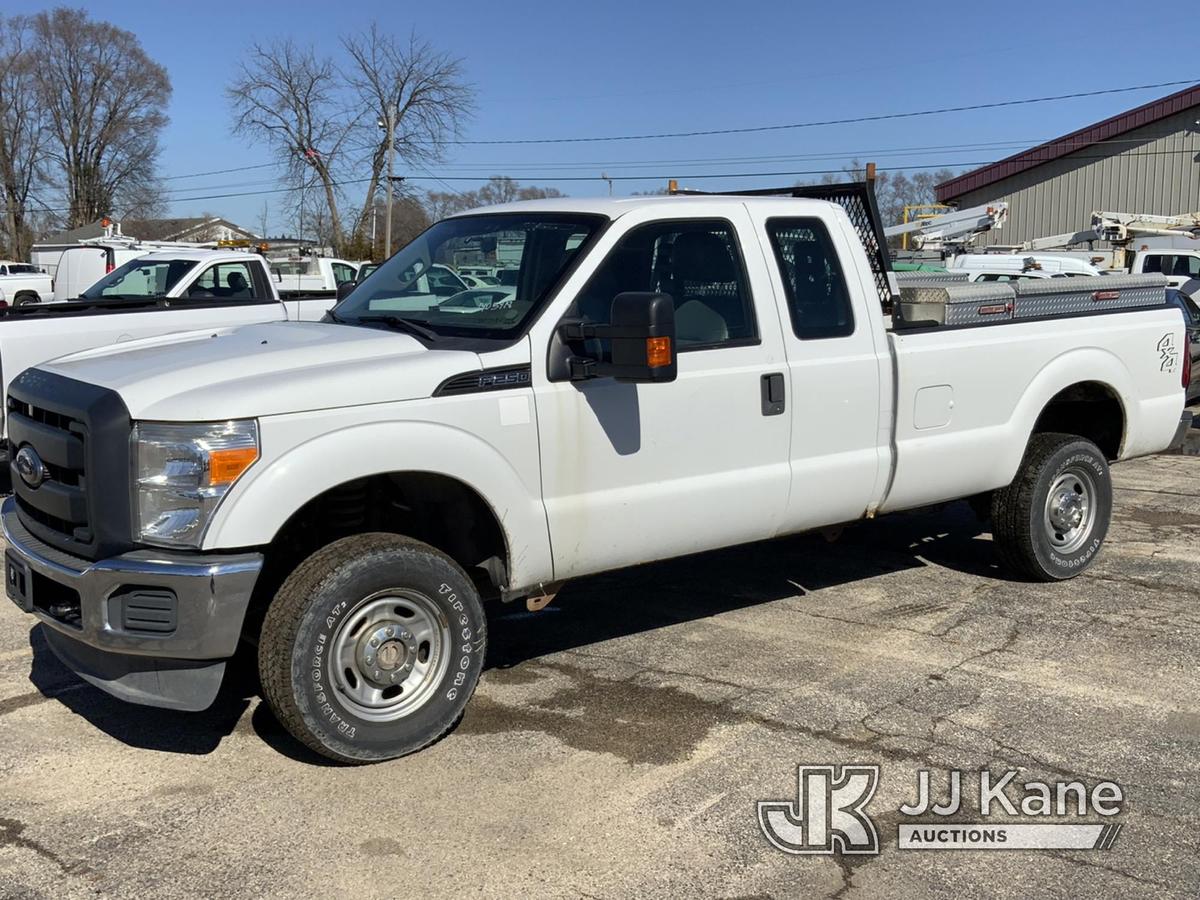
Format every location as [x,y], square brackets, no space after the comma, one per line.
[462,169]
[766,128]
[443,179]
[758,129]
[269,165]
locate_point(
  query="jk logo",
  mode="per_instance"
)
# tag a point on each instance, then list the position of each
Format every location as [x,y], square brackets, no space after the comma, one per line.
[827,815]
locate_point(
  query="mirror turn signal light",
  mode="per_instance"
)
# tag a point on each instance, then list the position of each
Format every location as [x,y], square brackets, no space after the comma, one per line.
[658,352]
[226,466]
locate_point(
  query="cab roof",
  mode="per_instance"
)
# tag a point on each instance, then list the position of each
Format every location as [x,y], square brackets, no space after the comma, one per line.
[616,207]
[198,255]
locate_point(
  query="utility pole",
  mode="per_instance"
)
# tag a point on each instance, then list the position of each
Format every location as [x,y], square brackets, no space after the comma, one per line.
[389,124]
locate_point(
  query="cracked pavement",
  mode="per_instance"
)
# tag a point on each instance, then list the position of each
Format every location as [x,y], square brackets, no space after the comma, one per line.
[620,739]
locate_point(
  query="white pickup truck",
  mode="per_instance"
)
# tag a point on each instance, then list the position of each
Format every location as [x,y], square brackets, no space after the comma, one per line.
[312,274]
[673,375]
[24,283]
[151,295]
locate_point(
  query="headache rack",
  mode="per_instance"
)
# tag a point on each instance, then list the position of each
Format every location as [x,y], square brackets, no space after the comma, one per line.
[857,198]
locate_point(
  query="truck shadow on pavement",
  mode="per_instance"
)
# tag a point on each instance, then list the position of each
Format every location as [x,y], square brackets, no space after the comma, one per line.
[144,727]
[666,593]
[590,610]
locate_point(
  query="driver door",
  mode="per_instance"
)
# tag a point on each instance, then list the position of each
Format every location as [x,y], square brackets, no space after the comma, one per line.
[635,472]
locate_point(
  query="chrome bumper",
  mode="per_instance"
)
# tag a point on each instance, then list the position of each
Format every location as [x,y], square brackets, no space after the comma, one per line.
[148,626]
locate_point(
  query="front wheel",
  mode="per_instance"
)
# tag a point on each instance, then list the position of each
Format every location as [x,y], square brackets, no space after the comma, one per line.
[1050,523]
[372,647]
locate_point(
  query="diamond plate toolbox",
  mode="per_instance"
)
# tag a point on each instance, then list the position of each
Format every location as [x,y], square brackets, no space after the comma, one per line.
[1086,294]
[956,304]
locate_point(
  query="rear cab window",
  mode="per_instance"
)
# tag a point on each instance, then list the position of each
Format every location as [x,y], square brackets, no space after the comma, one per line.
[817,295]
[225,281]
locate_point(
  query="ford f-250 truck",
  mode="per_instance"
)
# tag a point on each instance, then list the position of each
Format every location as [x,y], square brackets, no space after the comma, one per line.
[151,295]
[673,375]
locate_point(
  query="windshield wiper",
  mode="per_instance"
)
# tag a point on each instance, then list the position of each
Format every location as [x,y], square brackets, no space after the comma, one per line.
[398,322]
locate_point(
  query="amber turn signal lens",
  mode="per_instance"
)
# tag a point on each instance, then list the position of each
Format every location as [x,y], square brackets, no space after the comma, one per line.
[225,466]
[658,352]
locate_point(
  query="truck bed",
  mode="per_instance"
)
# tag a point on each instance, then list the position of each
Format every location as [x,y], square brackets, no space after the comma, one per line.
[968,397]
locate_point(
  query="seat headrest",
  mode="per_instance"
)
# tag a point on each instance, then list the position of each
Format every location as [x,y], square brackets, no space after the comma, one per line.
[703,257]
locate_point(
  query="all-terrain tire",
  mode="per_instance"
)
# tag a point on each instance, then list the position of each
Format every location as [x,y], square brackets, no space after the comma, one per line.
[1032,530]
[330,609]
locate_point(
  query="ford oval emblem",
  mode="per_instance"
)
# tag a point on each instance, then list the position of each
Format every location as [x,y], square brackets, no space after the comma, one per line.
[30,466]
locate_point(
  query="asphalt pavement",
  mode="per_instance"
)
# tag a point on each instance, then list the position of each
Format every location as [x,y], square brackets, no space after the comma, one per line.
[620,740]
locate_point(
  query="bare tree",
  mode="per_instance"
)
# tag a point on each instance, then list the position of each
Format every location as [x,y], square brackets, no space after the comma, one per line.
[896,190]
[319,115]
[292,99]
[22,134]
[264,219]
[423,88]
[498,189]
[440,204]
[105,99]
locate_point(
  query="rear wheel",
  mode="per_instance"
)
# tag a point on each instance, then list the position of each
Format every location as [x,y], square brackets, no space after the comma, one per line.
[25,299]
[372,647]
[1050,523]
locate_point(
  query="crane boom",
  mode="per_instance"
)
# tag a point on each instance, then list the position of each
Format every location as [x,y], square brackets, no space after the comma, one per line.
[957,227]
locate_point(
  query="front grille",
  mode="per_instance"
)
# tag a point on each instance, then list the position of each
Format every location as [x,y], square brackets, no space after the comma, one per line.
[79,433]
[60,501]
[44,416]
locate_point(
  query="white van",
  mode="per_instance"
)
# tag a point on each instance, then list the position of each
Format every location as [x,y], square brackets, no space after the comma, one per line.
[996,267]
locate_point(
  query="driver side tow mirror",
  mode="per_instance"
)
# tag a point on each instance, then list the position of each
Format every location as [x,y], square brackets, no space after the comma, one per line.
[344,290]
[641,334]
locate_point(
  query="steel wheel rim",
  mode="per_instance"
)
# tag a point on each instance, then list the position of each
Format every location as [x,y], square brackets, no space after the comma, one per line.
[389,654]
[1070,509]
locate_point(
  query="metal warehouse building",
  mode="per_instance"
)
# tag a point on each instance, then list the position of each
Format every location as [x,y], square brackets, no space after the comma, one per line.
[1146,160]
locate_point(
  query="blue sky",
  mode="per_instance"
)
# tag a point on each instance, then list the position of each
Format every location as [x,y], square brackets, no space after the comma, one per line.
[554,69]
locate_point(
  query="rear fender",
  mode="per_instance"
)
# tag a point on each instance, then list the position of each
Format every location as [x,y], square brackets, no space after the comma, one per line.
[1085,364]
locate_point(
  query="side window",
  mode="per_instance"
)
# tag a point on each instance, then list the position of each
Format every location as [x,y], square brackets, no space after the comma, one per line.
[697,262]
[818,300]
[224,281]
[342,273]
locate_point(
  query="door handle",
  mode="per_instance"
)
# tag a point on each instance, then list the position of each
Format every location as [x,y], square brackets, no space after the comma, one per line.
[772,394]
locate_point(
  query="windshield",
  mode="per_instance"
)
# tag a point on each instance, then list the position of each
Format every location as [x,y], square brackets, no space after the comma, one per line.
[421,282]
[139,278]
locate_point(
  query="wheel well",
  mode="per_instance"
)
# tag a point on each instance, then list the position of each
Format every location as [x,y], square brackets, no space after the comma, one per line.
[441,511]
[1088,409]
[21,295]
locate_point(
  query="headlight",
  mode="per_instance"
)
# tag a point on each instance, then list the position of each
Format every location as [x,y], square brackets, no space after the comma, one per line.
[180,474]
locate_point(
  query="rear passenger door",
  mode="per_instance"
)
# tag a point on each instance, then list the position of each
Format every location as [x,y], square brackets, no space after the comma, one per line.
[633,472]
[836,380]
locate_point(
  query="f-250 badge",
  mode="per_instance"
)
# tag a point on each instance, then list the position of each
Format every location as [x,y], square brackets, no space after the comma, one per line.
[1168,353]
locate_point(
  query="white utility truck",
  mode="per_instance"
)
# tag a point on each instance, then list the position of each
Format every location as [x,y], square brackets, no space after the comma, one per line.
[24,283]
[151,295]
[672,375]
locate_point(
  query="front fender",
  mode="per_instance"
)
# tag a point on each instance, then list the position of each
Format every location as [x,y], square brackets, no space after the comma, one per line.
[274,489]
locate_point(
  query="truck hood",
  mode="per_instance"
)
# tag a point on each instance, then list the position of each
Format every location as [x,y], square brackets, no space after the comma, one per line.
[260,370]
